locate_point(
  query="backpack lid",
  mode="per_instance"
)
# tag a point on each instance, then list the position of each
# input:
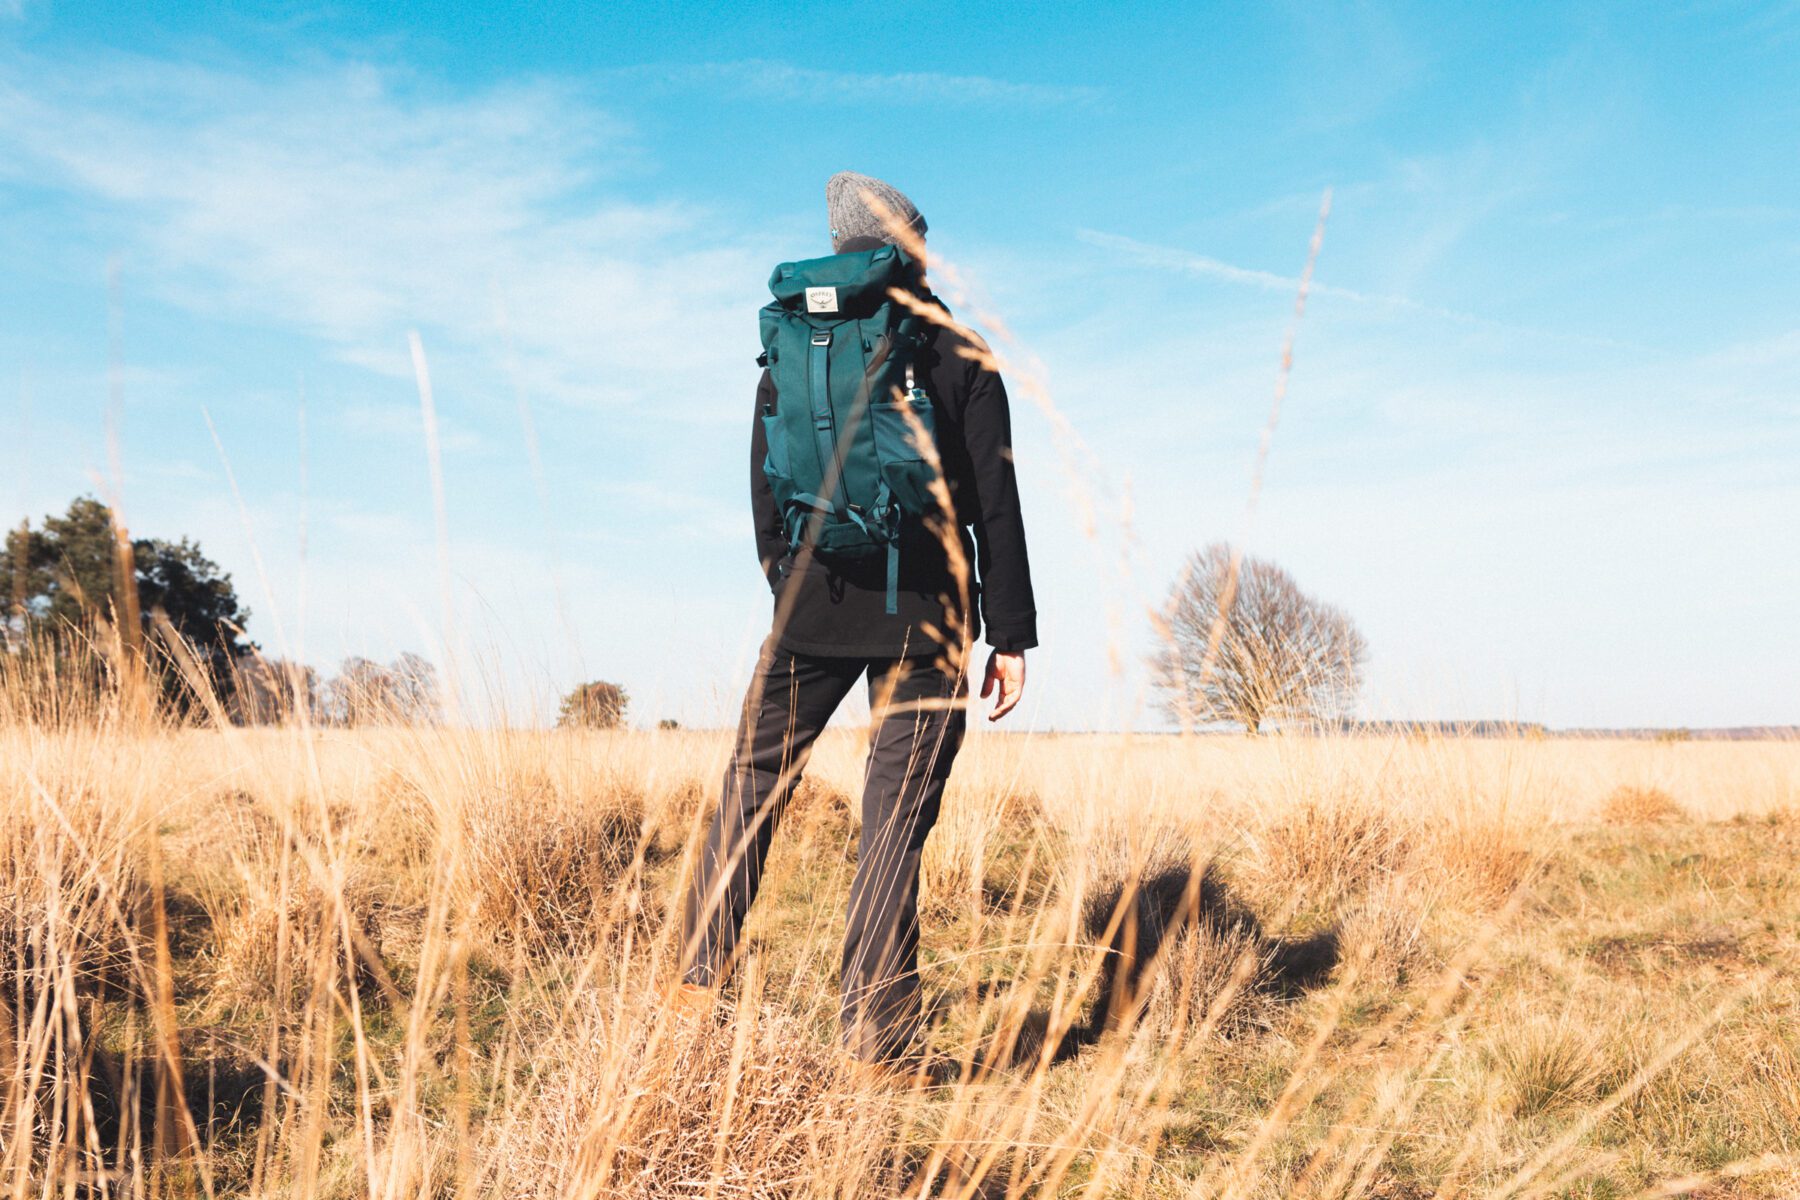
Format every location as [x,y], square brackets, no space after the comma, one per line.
[842,285]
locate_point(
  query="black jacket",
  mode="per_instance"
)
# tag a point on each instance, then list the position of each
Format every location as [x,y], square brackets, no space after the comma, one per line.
[840,608]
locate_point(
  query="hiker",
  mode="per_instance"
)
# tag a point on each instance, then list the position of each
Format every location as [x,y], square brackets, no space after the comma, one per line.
[863,392]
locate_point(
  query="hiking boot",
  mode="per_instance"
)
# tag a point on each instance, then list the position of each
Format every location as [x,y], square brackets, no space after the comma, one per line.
[692,1002]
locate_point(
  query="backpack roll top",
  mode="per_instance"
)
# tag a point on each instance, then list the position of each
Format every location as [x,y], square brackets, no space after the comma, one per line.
[848,429]
[842,286]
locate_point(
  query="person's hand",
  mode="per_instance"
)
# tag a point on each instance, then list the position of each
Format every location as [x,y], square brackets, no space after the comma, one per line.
[1006,673]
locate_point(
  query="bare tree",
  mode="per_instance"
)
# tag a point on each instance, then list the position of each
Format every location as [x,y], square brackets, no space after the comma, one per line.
[273,691]
[417,698]
[404,692]
[1247,645]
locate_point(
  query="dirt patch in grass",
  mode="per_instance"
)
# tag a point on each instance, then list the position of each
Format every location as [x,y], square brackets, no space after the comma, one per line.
[1639,952]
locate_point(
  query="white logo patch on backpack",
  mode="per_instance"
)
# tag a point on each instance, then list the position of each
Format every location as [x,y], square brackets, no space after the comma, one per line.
[821,300]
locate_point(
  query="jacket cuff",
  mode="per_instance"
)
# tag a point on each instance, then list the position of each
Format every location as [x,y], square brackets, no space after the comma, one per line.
[1013,637]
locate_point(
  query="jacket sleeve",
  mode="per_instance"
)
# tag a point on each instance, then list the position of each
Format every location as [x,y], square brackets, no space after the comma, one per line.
[1008,608]
[771,541]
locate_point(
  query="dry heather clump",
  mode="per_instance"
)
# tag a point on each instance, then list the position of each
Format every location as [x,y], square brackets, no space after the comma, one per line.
[289,909]
[541,863]
[1383,934]
[972,833]
[1322,854]
[406,819]
[820,811]
[72,893]
[679,812]
[756,1106]
[282,940]
[1324,850]
[1208,975]
[1481,863]
[1629,804]
[1179,947]
[75,911]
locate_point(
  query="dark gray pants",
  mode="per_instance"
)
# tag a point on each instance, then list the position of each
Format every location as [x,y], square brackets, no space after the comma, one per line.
[917,727]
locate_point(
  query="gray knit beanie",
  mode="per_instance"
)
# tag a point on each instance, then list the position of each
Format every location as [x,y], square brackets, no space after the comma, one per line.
[851,217]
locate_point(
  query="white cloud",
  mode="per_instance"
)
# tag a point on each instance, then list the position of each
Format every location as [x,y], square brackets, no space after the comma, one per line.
[778,80]
[352,205]
[1197,264]
[1170,259]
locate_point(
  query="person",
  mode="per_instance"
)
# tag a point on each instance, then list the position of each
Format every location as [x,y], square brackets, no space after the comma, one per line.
[907,628]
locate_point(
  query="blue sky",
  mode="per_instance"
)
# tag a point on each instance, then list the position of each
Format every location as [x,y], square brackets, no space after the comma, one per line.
[1543,432]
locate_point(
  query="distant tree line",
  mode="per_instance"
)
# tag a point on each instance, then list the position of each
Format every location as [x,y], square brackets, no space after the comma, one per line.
[163,614]
[364,692]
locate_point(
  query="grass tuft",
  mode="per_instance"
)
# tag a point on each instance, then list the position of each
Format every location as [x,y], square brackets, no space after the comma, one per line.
[1545,1064]
[1630,804]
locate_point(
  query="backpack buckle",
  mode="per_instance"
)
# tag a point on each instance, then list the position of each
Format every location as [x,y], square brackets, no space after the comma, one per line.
[821,337]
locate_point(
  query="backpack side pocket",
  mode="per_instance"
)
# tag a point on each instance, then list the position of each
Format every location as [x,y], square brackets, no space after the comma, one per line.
[904,425]
[775,463]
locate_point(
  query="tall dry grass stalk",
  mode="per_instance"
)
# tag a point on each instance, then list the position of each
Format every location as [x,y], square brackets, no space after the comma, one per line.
[431,961]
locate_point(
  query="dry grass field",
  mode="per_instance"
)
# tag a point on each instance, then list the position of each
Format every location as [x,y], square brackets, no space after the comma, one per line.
[432,962]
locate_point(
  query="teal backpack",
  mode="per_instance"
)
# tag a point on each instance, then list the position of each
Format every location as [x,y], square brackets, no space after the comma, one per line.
[844,461]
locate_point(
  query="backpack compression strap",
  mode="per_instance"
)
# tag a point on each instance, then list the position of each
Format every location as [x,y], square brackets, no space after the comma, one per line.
[893,548]
[818,381]
[831,463]
[893,592]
